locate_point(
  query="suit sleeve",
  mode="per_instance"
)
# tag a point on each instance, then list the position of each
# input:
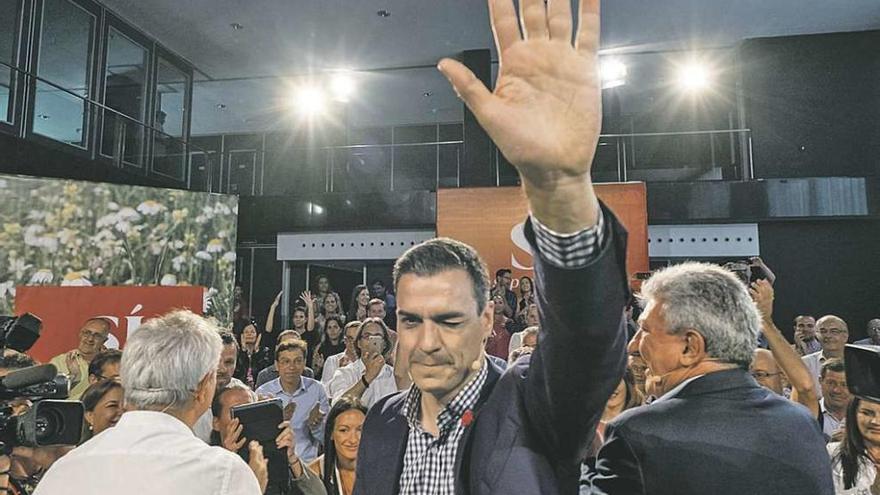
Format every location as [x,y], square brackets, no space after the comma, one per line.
[580,355]
[617,468]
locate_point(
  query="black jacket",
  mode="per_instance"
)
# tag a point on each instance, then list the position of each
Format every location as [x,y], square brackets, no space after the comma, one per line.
[534,422]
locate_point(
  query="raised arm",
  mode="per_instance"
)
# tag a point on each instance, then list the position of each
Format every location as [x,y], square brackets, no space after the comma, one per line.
[309,301]
[545,116]
[270,318]
[788,359]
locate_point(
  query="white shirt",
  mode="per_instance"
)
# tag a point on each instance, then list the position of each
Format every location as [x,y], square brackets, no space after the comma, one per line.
[814,363]
[830,424]
[331,364]
[148,453]
[864,478]
[345,377]
[309,394]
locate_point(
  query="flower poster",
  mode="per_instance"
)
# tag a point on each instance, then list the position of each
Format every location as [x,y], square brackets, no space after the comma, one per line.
[56,232]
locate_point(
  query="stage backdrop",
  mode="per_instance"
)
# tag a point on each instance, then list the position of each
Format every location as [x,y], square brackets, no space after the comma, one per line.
[64,310]
[491,220]
[56,232]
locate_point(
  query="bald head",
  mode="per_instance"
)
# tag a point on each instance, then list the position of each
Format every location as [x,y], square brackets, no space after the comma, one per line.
[766,371]
[873,330]
[833,335]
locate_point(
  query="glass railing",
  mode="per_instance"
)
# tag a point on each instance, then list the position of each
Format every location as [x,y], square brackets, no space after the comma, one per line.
[69,117]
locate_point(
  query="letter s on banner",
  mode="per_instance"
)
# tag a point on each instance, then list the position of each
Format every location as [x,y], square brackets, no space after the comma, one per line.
[518,237]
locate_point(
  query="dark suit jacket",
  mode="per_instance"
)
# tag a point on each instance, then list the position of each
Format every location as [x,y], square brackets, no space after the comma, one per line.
[533,423]
[722,434]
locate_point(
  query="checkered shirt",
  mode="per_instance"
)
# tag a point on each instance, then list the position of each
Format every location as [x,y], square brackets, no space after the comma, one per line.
[570,251]
[429,462]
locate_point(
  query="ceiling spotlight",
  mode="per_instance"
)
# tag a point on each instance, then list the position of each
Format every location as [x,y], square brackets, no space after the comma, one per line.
[221,106]
[384,13]
[612,72]
[427,94]
[236,26]
[342,86]
[694,76]
[309,101]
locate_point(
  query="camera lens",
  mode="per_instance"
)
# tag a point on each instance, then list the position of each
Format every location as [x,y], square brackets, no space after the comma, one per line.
[49,425]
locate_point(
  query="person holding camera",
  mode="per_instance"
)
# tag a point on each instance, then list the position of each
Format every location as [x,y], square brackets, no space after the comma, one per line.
[369,378]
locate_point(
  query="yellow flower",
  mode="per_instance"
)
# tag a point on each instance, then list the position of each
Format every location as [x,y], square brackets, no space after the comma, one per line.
[179,215]
[12,228]
[214,246]
[68,212]
[70,189]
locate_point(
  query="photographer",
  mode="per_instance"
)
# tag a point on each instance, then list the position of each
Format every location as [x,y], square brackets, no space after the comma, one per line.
[369,378]
[228,434]
[22,469]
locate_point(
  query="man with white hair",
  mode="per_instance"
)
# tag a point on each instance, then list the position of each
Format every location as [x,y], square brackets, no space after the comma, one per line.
[833,335]
[169,375]
[713,429]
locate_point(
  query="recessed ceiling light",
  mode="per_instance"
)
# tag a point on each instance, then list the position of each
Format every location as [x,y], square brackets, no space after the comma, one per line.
[384,13]
[427,94]
[236,26]
[221,106]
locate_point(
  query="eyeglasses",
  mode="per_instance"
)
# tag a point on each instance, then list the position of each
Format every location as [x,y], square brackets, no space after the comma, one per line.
[366,336]
[760,375]
[93,335]
[834,331]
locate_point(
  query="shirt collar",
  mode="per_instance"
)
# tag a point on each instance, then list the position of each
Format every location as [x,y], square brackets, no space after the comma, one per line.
[675,391]
[463,401]
[154,420]
[302,386]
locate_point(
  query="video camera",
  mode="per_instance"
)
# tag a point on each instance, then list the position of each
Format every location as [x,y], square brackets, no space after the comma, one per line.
[863,370]
[50,420]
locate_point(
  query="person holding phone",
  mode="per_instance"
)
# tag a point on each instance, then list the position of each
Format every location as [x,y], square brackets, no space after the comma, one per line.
[369,378]
[304,399]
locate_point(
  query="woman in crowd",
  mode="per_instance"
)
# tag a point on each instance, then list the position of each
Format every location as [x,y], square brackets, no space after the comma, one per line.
[102,403]
[303,320]
[332,306]
[360,297]
[526,298]
[625,396]
[252,357]
[855,459]
[342,436]
[331,344]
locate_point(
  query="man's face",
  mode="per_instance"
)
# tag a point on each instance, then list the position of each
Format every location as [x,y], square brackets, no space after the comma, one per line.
[532,316]
[230,399]
[323,285]
[868,418]
[92,336]
[440,332]
[874,329]
[504,280]
[299,319]
[371,330]
[832,335]
[766,371]
[290,364]
[834,390]
[530,340]
[499,304]
[351,339]
[226,367]
[660,349]
[109,371]
[378,291]
[806,326]
[376,311]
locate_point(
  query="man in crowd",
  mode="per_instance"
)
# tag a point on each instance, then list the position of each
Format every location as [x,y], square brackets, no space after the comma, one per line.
[368,378]
[105,366]
[75,363]
[271,372]
[835,396]
[805,340]
[378,291]
[518,338]
[873,332]
[304,399]
[462,426]
[225,370]
[503,280]
[169,371]
[833,335]
[713,429]
[348,356]
[228,435]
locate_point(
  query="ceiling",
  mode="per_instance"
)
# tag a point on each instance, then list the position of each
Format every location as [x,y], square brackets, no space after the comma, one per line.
[295,37]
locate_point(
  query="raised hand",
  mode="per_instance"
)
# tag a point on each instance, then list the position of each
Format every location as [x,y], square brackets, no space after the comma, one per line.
[307,298]
[259,465]
[762,293]
[545,113]
[315,416]
[231,436]
[289,409]
[373,364]
[73,371]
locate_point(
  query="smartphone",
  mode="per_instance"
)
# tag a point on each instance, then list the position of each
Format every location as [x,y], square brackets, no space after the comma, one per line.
[375,344]
[260,420]
[757,273]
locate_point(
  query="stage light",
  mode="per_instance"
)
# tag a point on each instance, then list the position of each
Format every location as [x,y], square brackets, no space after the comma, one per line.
[612,72]
[309,101]
[342,86]
[694,76]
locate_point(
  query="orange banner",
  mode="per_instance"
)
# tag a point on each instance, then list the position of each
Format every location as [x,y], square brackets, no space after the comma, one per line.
[491,220]
[65,309]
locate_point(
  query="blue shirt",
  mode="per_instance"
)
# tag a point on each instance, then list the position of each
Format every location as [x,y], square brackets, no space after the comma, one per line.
[309,393]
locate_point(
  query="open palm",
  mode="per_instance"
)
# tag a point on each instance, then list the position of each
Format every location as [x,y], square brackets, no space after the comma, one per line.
[545,112]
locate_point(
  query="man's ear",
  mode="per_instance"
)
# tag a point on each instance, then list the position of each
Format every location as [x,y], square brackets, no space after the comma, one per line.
[204,392]
[215,424]
[694,348]
[487,318]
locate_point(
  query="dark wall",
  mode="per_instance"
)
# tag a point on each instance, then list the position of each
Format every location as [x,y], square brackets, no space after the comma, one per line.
[812,104]
[824,267]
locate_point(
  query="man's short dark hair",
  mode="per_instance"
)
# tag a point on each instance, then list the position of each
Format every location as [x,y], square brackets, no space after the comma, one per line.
[834,364]
[292,345]
[14,360]
[103,358]
[228,338]
[301,309]
[217,406]
[439,255]
[501,272]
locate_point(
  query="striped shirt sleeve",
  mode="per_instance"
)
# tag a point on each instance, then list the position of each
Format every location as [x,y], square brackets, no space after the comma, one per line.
[569,251]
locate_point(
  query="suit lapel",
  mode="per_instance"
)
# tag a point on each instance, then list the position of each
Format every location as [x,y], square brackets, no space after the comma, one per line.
[462,469]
